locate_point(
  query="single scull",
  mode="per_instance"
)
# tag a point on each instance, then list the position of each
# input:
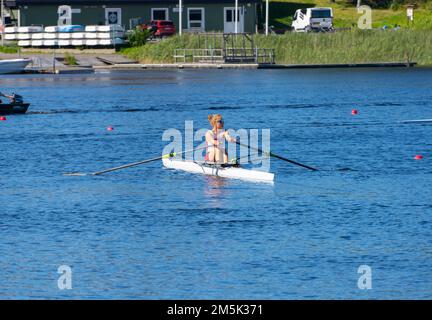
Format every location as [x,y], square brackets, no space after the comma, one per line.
[225,170]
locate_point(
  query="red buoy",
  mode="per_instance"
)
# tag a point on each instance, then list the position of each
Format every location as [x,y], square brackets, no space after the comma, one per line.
[418,157]
[354,111]
[110,128]
[2,118]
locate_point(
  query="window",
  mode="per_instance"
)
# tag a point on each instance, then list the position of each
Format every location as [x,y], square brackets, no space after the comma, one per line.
[166,23]
[325,13]
[196,18]
[113,16]
[230,15]
[159,14]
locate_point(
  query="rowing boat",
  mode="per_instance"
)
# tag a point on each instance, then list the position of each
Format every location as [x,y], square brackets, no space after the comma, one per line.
[221,170]
[225,171]
[16,106]
[13,108]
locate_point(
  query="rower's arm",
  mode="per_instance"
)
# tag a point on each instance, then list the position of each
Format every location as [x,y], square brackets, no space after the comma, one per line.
[229,138]
[5,95]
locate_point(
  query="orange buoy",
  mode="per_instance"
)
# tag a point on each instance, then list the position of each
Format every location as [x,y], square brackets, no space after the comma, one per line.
[110,128]
[418,157]
[354,112]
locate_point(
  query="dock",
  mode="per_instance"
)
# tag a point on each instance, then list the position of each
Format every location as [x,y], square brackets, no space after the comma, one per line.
[340,65]
[250,66]
[178,66]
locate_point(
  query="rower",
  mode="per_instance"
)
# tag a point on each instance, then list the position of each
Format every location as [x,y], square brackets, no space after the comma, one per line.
[11,98]
[215,140]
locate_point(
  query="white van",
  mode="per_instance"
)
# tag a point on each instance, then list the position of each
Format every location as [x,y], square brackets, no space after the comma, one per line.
[313,19]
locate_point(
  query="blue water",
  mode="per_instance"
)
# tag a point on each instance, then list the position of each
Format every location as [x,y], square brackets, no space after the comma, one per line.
[147,232]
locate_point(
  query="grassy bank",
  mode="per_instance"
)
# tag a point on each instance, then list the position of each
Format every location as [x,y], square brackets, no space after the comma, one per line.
[346,15]
[355,46]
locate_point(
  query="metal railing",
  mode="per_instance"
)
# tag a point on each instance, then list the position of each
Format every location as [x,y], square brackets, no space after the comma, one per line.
[225,48]
[265,56]
[227,55]
[250,55]
[198,56]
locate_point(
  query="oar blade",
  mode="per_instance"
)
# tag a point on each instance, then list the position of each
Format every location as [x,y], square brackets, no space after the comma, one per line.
[271,154]
[76,174]
[293,162]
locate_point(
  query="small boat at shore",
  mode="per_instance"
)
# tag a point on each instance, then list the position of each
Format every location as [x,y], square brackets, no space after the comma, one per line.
[13,108]
[16,106]
[13,65]
[220,170]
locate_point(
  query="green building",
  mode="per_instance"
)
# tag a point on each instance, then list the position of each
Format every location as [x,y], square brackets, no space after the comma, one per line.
[198,15]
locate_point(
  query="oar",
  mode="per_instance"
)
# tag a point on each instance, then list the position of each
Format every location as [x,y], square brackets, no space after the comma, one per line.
[165,156]
[271,154]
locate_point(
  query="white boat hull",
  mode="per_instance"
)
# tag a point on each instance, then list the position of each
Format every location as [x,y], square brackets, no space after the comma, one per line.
[13,66]
[225,172]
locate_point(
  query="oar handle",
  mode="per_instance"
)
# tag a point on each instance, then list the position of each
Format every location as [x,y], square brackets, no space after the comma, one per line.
[271,154]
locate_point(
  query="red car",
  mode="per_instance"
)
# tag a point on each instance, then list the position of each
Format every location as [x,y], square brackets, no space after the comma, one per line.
[161,28]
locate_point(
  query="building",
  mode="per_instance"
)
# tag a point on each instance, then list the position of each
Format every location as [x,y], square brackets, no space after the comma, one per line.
[198,15]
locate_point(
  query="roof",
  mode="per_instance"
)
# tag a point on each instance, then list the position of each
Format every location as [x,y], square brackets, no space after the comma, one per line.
[16,3]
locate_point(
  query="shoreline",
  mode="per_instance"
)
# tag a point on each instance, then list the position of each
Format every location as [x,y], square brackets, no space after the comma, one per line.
[90,62]
[225,66]
[202,67]
[145,66]
[350,49]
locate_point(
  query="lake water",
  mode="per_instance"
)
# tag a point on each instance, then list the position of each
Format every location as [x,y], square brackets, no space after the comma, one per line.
[147,232]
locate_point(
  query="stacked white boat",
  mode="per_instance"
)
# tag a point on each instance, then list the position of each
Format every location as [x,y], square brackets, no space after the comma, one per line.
[66,36]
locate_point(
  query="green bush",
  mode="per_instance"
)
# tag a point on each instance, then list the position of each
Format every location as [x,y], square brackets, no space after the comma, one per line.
[70,60]
[375,3]
[138,37]
[9,49]
[395,5]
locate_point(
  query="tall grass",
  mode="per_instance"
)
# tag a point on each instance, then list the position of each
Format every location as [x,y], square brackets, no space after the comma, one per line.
[9,49]
[70,60]
[163,51]
[357,46]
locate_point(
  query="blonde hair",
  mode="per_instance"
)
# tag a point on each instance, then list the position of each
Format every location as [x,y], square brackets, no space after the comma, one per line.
[214,118]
